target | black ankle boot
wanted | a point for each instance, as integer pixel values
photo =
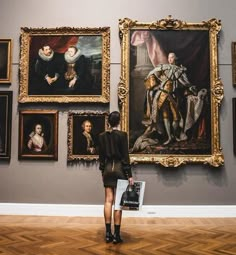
(117, 239)
(109, 237)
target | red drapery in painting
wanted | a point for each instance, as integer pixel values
(58, 43)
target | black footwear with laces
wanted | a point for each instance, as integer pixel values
(117, 239)
(109, 237)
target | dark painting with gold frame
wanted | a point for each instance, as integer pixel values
(83, 131)
(5, 60)
(38, 134)
(65, 65)
(170, 91)
(5, 124)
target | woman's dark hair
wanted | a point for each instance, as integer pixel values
(74, 47)
(114, 119)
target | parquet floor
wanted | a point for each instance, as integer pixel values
(40, 235)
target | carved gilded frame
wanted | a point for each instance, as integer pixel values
(77, 143)
(133, 72)
(94, 45)
(29, 146)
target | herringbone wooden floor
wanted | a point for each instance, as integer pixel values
(37, 235)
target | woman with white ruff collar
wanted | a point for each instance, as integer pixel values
(74, 68)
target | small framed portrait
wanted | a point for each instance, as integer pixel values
(38, 134)
(5, 124)
(83, 131)
(5, 61)
(170, 91)
(65, 65)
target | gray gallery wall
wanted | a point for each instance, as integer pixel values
(56, 182)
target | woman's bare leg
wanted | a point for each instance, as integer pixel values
(117, 214)
(109, 199)
(117, 223)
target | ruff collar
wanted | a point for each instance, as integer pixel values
(44, 57)
(71, 60)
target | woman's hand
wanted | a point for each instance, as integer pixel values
(131, 181)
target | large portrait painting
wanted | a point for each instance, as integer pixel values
(5, 124)
(5, 60)
(65, 65)
(83, 131)
(38, 134)
(170, 91)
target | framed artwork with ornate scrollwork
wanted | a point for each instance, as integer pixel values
(170, 91)
(38, 134)
(65, 65)
(5, 60)
(83, 131)
(5, 124)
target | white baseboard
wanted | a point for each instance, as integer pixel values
(163, 211)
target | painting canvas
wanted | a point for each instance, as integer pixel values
(5, 61)
(83, 131)
(170, 91)
(5, 124)
(38, 134)
(65, 65)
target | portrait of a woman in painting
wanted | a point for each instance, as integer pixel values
(38, 137)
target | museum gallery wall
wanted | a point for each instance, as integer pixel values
(170, 110)
(178, 120)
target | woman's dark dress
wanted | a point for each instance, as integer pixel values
(114, 157)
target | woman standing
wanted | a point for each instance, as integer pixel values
(114, 165)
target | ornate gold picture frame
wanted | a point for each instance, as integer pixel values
(38, 134)
(170, 91)
(65, 65)
(83, 131)
(5, 61)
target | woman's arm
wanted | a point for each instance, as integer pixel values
(30, 144)
(101, 154)
(125, 157)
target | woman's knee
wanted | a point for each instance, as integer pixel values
(109, 200)
(109, 195)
